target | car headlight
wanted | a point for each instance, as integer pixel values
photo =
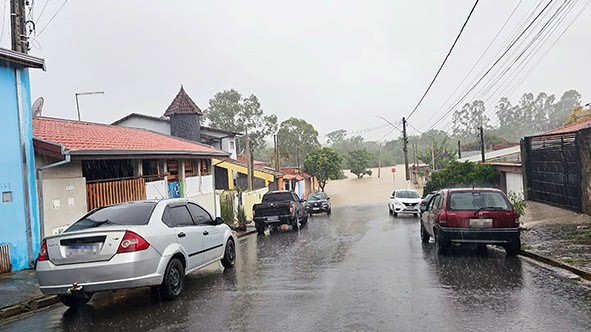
(398, 203)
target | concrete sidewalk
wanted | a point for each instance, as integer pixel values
(19, 291)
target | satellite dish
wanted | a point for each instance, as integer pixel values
(37, 107)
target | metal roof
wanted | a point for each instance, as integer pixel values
(21, 59)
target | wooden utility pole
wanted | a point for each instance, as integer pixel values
(405, 148)
(380, 161)
(18, 26)
(433, 153)
(276, 154)
(481, 142)
(459, 150)
(248, 163)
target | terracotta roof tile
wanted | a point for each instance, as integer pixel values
(570, 128)
(75, 135)
(182, 104)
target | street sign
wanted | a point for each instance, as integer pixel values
(393, 170)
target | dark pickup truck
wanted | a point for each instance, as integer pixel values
(277, 208)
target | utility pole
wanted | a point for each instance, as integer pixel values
(481, 142)
(433, 153)
(18, 29)
(459, 150)
(380, 161)
(276, 156)
(416, 166)
(248, 163)
(405, 148)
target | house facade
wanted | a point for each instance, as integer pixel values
(182, 119)
(83, 165)
(19, 218)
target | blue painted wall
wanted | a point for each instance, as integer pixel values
(13, 228)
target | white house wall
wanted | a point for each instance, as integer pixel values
(156, 190)
(153, 125)
(514, 183)
(62, 195)
(226, 146)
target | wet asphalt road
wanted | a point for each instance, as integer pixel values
(357, 270)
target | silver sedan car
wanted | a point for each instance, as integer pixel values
(135, 244)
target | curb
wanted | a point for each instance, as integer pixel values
(581, 273)
(243, 234)
(26, 306)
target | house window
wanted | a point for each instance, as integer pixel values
(232, 145)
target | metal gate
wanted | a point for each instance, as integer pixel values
(553, 170)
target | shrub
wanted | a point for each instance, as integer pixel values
(466, 174)
(227, 207)
(519, 202)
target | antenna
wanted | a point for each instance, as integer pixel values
(37, 107)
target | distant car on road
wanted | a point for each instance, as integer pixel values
(405, 201)
(135, 244)
(318, 203)
(471, 215)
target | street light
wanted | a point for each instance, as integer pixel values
(83, 94)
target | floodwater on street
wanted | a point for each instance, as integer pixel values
(359, 269)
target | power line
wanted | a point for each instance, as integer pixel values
(413, 127)
(51, 19)
(493, 65)
(43, 10)
(480, 58)
(444, 61)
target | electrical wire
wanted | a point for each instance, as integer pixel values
(51, 19)
(493, 65)
(444, 61)
(43, 10)
(480, 58)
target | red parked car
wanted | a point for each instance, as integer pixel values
(471, 215)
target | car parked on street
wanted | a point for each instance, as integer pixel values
(425, 202)
(318, 203)
(471, 215)
(405, 201)
(279, 207)
(136, 244)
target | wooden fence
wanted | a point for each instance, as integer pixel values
(106, 193)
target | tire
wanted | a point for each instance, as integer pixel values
(328, 212)
(441, 245)
(390, 209)
(424, 235)
(394, 214)
(76, 300)
(294, 224)
(174, 280)
(229, 258)
(513, 248)
(260, 228)
(304, 221)
(416, 215)
(481, 248)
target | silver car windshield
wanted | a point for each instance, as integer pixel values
(122, 214)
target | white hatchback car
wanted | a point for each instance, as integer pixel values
(405, 201)
(135, 244)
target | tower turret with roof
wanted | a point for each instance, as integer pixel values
(184, 117)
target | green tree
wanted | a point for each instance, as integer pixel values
(440, 151)
(228, 110)
(466, 174)
(358, 161)
(467, 120)
(296, 139)
(564, 107)
(324, 164)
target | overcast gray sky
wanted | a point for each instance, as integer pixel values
(337, 64)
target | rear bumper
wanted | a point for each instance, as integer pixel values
(127, 270)
(481, 236)
(274, 220)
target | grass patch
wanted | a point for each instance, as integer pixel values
(577, 236)
(575, 260)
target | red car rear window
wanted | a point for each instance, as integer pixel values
(478, 200)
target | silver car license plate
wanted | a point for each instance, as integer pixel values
(82, 249)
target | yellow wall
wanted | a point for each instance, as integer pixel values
(241, 169)
(251, 198)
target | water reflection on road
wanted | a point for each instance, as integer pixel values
(358, 269)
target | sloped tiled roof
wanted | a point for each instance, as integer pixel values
(93, 138)
(182, 104)
(570, 128)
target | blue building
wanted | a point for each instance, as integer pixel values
(19, 216)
